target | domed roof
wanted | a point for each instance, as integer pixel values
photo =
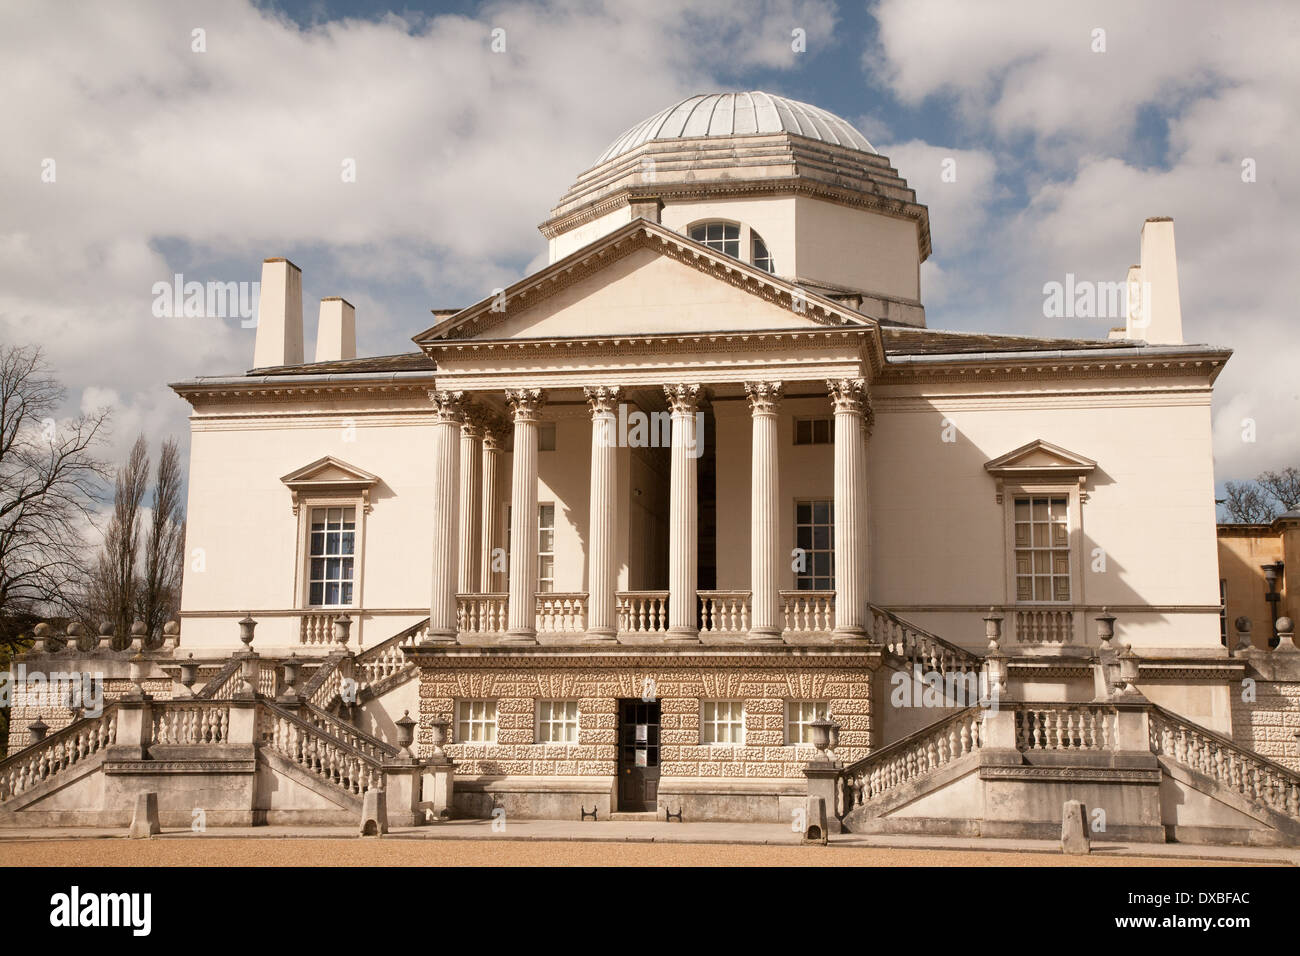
(739, 114)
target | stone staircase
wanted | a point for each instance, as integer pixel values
(1006, 770)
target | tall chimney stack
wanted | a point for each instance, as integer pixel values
(336, 334)
(1161, 315)
(279, 315)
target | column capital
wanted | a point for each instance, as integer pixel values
(849, 396)
(603, 399)
(494, 436)
(684, 399)
(764, 397)
(447, 406)
(526, 403)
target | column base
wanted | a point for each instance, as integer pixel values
(764, 636)
(683, 635)
(599, 635)
(520, 637)
(849, 635)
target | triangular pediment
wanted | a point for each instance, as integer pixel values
(643, 279)
(329, 472)
(1040, 458)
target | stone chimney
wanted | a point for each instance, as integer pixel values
(1158, 317)
(336, 335)
(279, 315)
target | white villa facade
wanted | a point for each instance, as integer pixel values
(759, 491)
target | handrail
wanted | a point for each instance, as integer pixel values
(902, 743)
(964, 658)
(336, 727)
(219, 680)
(103, 733)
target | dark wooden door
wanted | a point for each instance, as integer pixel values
(638, 755)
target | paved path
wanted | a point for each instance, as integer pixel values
(530, 842)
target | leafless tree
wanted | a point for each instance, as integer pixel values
(1246, 502)
(114, 585)
(158, 597)
(50, 478)
(1282, 486)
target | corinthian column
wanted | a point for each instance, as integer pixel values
(765, 600)
(448, 414)
(471, 463)
(849, 396)
(601, 625)
(683, 529)
(487, 509)
(521, 613)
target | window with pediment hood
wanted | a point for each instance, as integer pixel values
(330, 499)
(1042, 488)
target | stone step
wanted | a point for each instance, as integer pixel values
(645, 816)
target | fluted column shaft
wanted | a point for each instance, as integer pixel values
(849, 397)
(683, 516)
(765, 598)
(487, 507)
(521, 615)
(447, 417)
(601, 566)
(471, 464)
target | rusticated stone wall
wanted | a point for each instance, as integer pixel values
(1269, 724)
(764, 684)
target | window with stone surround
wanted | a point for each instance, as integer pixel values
(759, 254)
(723, 237)
(722, 722)
(814, 536)
(331, 557)
(557, 721)
(799, 717)
(476, 722)
(1042, 543)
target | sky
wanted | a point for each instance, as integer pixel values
(145, 140)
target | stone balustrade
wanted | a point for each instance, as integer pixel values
(341, 730)
(319, 752)
(483, 615)
(386, 658)
(57, 753)
(191, 723)
(807, 613)
(928, 749)
(1257, 779)
(1043, 626)
(642, 612)
(317, 627)
(920, 648)
(561, 613)
(724, 612)
(1073, 727)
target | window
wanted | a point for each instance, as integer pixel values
(1042, 548)
(814, 535)
(557, 721)
(1223, 611)
(546, 548)
(333, 545)
(812, 431)
(759, 254)
(476, 722)
(722, 722)
(799, 716)
(722, 236)
(545, 545)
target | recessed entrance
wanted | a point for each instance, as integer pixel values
(638, 755)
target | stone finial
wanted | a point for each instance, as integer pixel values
(993, 630)
(45, 635)
(189, 673)
(1242, 625)
(171, 634)
(246, 628)
(1286, 636)
(342, 630)
(1105, 627)
(139, 635)
(38, 729)
(405, 733)
(106, 632)
(75, 632)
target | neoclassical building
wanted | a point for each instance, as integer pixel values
(623, 532)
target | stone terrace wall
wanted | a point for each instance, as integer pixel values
(764, 686)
